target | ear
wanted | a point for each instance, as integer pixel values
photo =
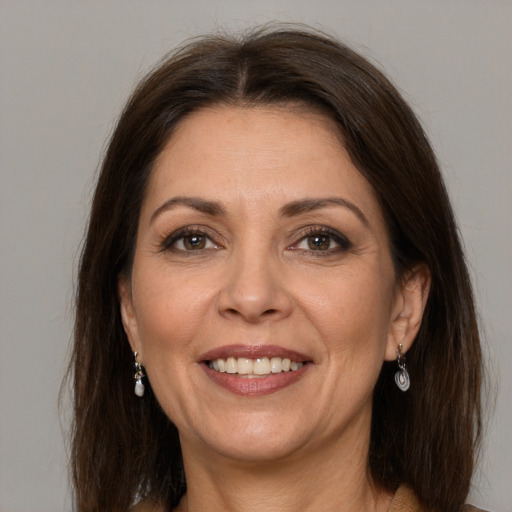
(128, 316)
(410, 299)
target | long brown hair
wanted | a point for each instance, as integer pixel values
(124, 448)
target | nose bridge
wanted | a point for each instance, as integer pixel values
(254, 288)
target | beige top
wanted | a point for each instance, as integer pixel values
(404, 501)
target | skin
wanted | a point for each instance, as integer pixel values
(258, 278)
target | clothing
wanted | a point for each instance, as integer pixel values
(406, 501)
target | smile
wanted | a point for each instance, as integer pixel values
(254, 368)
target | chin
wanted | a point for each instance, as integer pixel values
(259, 441)
(257, 449)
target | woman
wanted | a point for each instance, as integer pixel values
(273, 307)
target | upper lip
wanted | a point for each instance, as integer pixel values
(252, 352)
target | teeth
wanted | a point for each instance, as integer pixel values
(276, 365)
(231, 365)
(244, 366)
(259, 366)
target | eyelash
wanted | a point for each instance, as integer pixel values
(342, 242)
(182, 234)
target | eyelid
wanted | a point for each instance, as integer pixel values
(170, 239)
(341, 241)
(344, 244)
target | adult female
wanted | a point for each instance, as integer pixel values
(270, 235)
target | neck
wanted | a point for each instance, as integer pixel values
(332, 479)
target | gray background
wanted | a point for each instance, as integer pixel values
(66, 67)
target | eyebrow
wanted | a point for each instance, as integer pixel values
(202, 205)
(291, 209)
(308, 205)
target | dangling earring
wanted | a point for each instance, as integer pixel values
(139, 386)
(401, 376)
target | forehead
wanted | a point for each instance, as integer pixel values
(270, 154)
(266, 132)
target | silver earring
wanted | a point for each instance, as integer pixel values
(401, 376)
(139, 386)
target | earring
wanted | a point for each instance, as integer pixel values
(401, 376)
(139, 386)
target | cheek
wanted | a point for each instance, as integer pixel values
(351, 311)
(169, 310)
(170, 316)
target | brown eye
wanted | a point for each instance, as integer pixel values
(189, 241)
(319, 242)
(323, 241)
(194, 242)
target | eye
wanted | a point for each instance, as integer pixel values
(322, 240)
(319, 242)
(192, 243)
(189, 240)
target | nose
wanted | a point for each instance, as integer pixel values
(254, 289)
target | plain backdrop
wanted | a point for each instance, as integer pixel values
(66, 68)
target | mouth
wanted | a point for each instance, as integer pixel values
(254, 370)
(260, 367)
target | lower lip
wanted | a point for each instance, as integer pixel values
(257, 386)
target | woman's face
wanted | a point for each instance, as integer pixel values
(263, 252)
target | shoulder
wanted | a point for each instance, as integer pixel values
(472, 508)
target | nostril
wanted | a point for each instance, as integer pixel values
(250, 315)
(253, 303)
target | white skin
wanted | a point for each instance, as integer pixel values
(258, 278)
